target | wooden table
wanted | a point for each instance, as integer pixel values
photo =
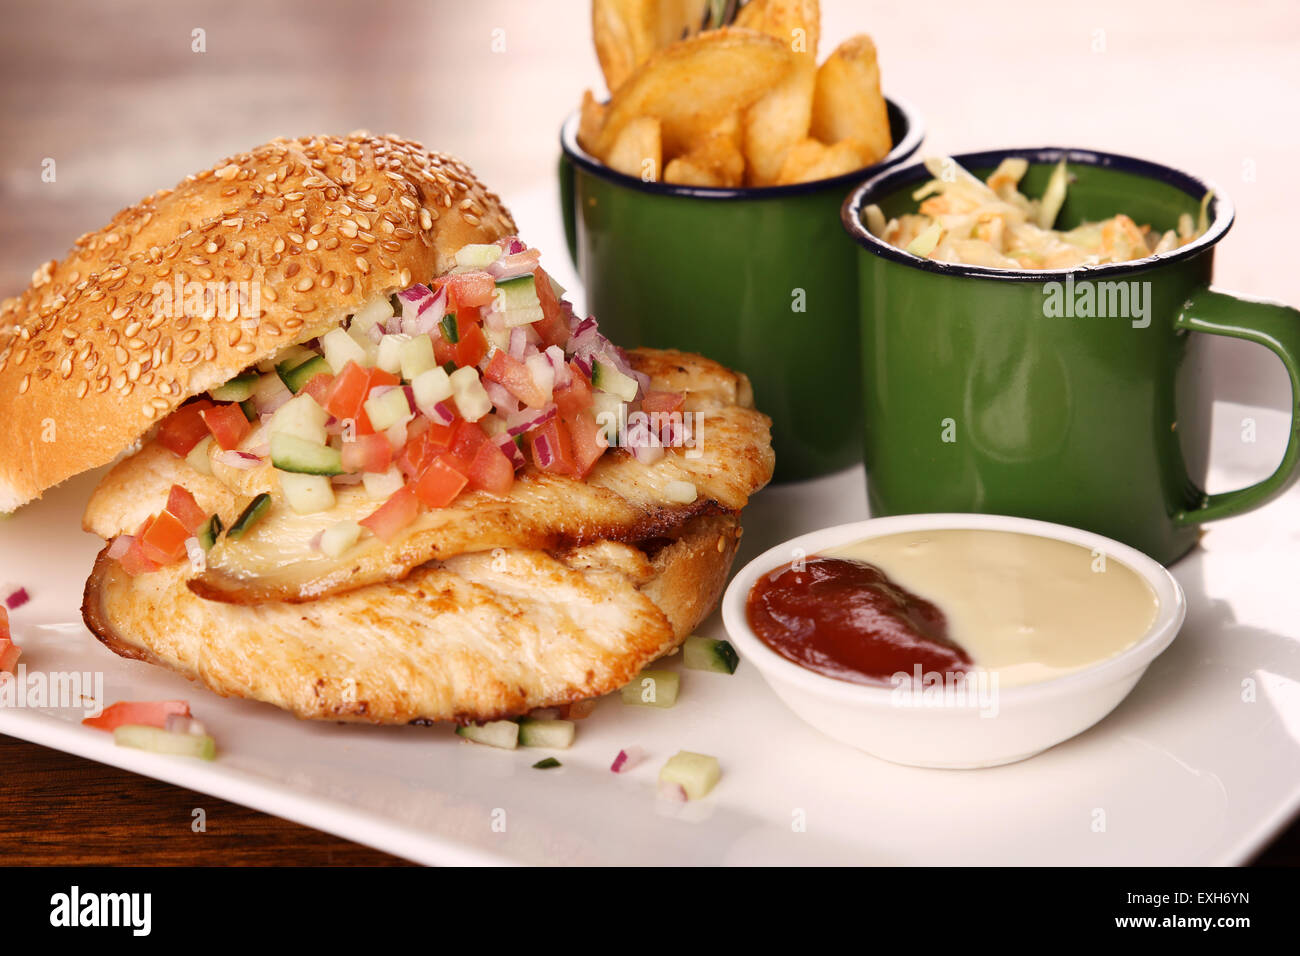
(119, 96)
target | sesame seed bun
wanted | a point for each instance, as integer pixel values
(294, 235)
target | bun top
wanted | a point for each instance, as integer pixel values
(190, 286)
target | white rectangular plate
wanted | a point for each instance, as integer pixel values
(1192, 768)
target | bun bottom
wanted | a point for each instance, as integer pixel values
(478, 637)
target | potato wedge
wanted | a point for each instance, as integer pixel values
(591, 120)
(779, 121)
(628, 31)
(811, 160)
(796, 23)
(625, 36)
(716, 161)
(637, 151)
(847, 102)
(692, 85)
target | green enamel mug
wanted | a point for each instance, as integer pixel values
(761, 280)
(1075, 396)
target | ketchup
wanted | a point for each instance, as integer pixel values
(846, 619)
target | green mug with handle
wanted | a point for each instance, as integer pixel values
(1075, 396)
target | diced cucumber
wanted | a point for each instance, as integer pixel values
(200, 458)
(471, 397)
(383, 486)
(517, 300)
(697, 774)
(302, 418)
(250, 516)
(209, 533)
(416, 357)
(517, 293)
(390, 352)
(708, 654)
(477, 255)
(238, 389)
(307, 494)
(431, 387)
(291, 453)
(495, 733)
(497, 339)
(337, 538)
(610, 414)
(299, 375)
(450, 328)
(550, 734)
(389, 409)
(249, 408)
(379, 309)
(606, 378)
(653, 689)
(341, 348)
(547, 763)
(160, 741)
(290, 357)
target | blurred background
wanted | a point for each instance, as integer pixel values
(127, 96)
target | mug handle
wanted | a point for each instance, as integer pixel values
(1277, 328)
(567, 211)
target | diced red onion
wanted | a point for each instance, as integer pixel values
(422, 309)
(17, 599)
(672, 792)
(120, 546)
(260, 451)
(315, 541)
(514, 245)
(266, 404)
(505, 403)
(511, 450)
(584, 364)
(183, 724)
(528, 419)
(441, 413)
(627, 758)
(542, 449)
(239, 459)
(514, 265)
(518, 341)
(563, 374)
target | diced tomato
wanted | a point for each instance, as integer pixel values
(184, 428)
(319, 387)
(9, 654)
(491, 470)
(227, 424)
(367, 453)
(394, 514)
(514, 376)
(348, 391)
(471, 348)
(468, 289)
(663, 403)
(4, 623)
(134, 561)
(421, 449)
(554, 327)
(558, 443)
(153, 713)
(466, 439)
(576, 396)
(185, 509)
(379, 377)
(587, 439)
(441, 482)
(443, 351)
(164, 541)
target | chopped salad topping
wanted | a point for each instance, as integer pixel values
(441, 389)
(993, 224)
